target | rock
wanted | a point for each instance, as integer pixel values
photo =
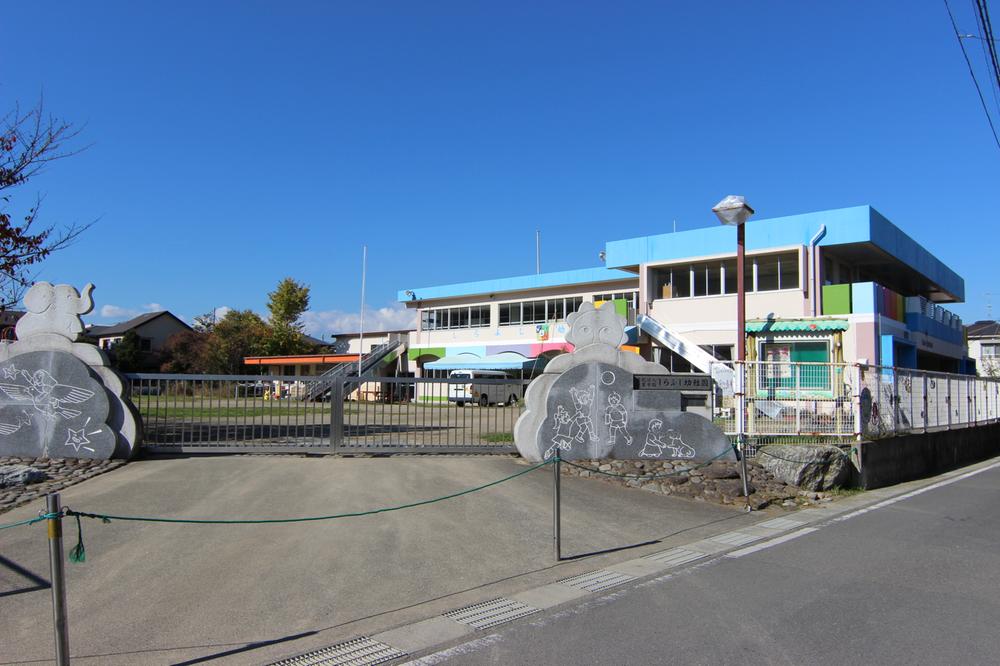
(676, 480)
(731, 487)
(807, 467)
(721, 471)
(19, 475)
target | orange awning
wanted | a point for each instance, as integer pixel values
(305, 359)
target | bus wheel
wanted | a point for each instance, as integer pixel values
(512, 400)
(484, 400)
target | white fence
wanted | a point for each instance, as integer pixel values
(841, 400)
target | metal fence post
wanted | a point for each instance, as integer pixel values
(974, 396)
(336, 415)
(947, 400)
(925, 407)
(53, 505)
(556, 509)
(858, 425)
(912, 424)
(895, 401)
(798, 399)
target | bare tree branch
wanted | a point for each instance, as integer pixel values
(29, 141)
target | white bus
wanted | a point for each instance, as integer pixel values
(493, 393)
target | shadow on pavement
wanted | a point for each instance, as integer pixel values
(39, 582)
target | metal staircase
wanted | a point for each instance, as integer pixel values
(342, 372)
(692, 353)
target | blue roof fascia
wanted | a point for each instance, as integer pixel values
(519, 283)
(893, 240)
(843, 225)
(858, 224)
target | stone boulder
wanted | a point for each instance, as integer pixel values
(721, 470)
(19, 475)
(807, 467)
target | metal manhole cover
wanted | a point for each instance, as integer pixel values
(491, 613)
(597, 581)
(359, 652)
(675, 556)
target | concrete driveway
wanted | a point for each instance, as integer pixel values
(161, 593)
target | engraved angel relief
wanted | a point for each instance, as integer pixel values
(44, 393)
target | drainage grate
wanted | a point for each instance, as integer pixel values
(781, 523)
(491, 613)
(675, 556)
(736, 538)
(595, 581)
(359, 652)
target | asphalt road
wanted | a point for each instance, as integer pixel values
(153, 593)
(913, 582)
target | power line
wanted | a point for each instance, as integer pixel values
(986, 27)
(972, 73)
(987, 56)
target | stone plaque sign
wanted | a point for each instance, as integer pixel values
(52, 406)
(686, 382)
(593, 411)
(602, 402)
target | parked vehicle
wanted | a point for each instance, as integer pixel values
(495, 392)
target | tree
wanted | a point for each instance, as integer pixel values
(184, 353)
(239, 334)
(286, 304)
(126, 353)
(29, 141)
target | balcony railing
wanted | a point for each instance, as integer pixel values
(916, 312)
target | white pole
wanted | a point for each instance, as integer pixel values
(361, 332)
(538, 251)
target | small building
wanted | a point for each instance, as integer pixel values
(152, 328)
(8, 321)
(984, 346)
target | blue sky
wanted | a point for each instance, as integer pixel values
(237, 143)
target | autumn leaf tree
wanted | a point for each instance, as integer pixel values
(239, 334)
(286, 305)
(29, 141)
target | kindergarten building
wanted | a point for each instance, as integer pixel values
(830, 286)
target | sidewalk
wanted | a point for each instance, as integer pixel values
(161, 593)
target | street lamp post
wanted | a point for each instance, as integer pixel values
(734, 211)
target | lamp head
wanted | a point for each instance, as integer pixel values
(733, 210)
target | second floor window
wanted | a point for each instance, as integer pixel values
(474, 316)
(536, 312)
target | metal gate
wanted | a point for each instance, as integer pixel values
(286, 414)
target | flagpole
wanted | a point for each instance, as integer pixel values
(361, 332)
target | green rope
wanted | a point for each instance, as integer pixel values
(354, 514)
(643, 477)
(31, 521)
(798, 462)
(78, 553)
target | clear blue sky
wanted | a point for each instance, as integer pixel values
(235, 143)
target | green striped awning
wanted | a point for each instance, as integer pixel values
(796, 325)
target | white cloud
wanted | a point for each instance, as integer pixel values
(117, 312)
(110, 311)
(222, 311)
(325, 322)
